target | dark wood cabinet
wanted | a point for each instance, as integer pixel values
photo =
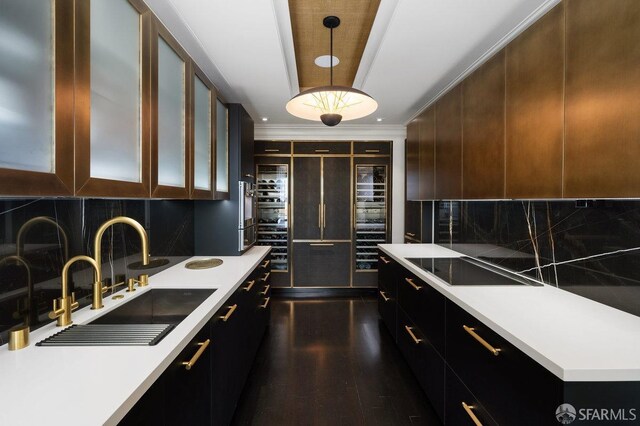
(371, 148)
(462, 407)
(321, 264)
(483, 130)
(535, 109)
(427, 148)
(602, 99)
(412, 221)
(241, 131)
(272, 148)
(412, 161)
(321, 148)
(388, 292)
(448, 162)
(307, 198)
(336, 202)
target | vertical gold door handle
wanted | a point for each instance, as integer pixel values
(320, 216)
(471, 414)
(324, 216)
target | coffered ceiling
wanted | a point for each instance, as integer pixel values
(260, 52)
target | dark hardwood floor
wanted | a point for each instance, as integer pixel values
(330, 362)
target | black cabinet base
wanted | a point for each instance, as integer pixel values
(312, 293)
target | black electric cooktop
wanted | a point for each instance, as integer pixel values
(468, 271)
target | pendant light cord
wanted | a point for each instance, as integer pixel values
(331, 57)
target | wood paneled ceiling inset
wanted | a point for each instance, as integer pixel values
(311, 38)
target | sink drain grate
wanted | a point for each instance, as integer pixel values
(109, 335)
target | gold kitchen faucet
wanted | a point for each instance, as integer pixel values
(143, 279)
(63, 306)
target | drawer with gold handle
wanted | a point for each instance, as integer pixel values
(266, 303)
(230, 312)
(472, 333)
(385, 260)
(384, 296)
(202, 347)
(249, 285)
(265, 263)
(412, 334)
(414, 285)
(266, 290)
(469, 409)
(266, 277)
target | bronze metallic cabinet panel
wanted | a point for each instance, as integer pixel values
(319, 148)
(321, 264)
(272, 147)
(602, 139)
(372, 148)
(412, 160)
(307, 198)
(448, 163)
(535, 109)
(427, 153)
(483, 130)
(336, 209)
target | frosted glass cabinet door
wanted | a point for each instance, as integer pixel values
(171, 117)
(222, 148)
(115, 91)
(202, 135)
(34, 62)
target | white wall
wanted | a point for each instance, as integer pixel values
(396, 134)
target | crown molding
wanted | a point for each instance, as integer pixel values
(321, 132)
(502, 43)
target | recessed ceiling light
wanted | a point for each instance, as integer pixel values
(378, 119)
(324, 61)
(265, 119)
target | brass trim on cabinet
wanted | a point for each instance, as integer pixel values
(413, 336)
(471, 414)
(414, 285)
(471, 331)
(203, 346)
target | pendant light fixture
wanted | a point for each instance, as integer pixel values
(331, 104)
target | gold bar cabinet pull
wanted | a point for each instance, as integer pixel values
(414, 285)
(480, 340)
(271, 150)
(384, 296)
(266, 290)
(384, 259)
(266, 277)
(203, 346)
(322, 150)
(249, 285)
(320, 216)
(372, 151)
(471, 414)
(265, 263)
(410, 234)
(266, 303)
(413, 336)
(232, 309)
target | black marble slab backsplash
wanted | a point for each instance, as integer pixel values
(52, 230)
(591, 248)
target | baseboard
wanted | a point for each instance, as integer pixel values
(314, 293)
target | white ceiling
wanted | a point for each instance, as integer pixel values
(416, 49)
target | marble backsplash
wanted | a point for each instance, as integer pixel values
(51, 230)
(591, 248)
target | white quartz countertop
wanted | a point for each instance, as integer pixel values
(98, 385)
(575, 338)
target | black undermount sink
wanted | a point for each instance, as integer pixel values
(157, 306)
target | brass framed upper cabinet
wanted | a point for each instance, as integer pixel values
(112, 98)
(448, 161)
(483, 130)
(427, 145)
(36, 155)
(203, 119)
(535, 109)
(412, 160)
(222, 151)
(602, 139)
(170, 142)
